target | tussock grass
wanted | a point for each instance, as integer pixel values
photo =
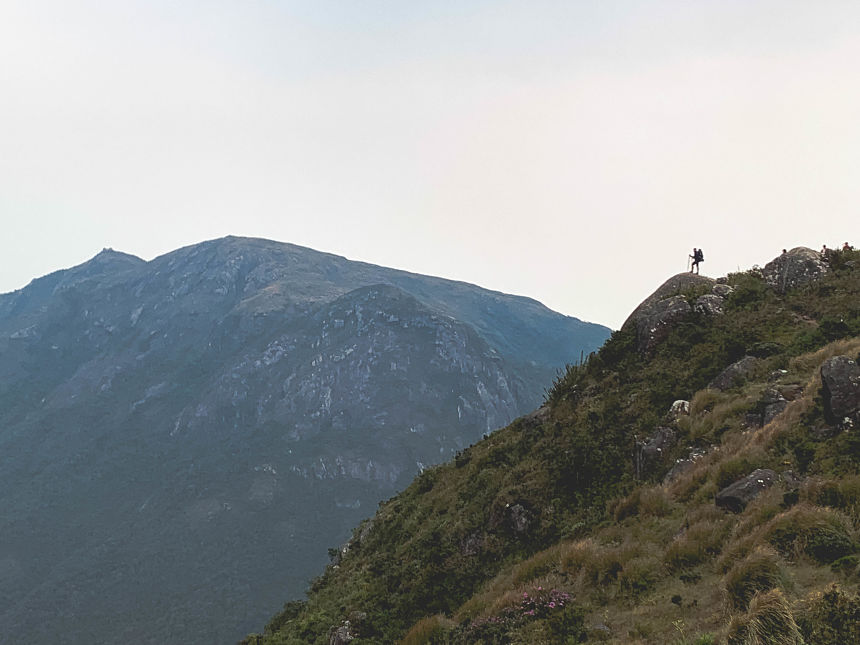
(426, 629)
(813, 360)
(759, 571)
(702, 540)
(822, 533)
(645, 501)
(768, 621)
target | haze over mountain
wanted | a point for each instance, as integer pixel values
(182, 440)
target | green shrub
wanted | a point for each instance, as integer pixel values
(759, 571)
(831, 618)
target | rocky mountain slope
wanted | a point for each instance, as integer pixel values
(182, 440)
(697, 481)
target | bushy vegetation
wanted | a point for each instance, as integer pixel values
(551, 505)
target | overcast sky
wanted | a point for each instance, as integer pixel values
(570, 151)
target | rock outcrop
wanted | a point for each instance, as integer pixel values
(794, 268)
(736, 496)
(735, 373)
(658, 313)
(650, 452)
(840, 390)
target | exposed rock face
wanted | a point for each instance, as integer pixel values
(650, 452)
(840, 379)
(709, 304)
(735, 373)
(226, 412)
(736, 496)
(794, 268)
(655, 316)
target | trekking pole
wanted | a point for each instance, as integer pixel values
(688, 262)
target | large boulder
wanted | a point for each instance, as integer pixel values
(794, 268)
(736, 496)
(660, 311)
(735, 373)
(840, 390)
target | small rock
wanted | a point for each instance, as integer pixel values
(736, 496)
(735, 373)
(520, 518)
(679, 409)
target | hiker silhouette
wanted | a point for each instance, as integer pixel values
(697, 257)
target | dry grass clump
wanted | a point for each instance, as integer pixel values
(708, 529)
(426, 629)
(629, 568)
(767, 622)
(644, 501)
(809, 362)
(712, 412)
(759, 571)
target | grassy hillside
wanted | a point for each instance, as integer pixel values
(542, 533)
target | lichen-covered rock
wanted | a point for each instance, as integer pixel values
(736, 496)
(658, 313)
(709, 304)
(735, 373)
(649, 453)
(722, 290)
(794, 268)
(840, 390)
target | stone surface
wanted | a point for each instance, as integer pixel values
(736, 496)
(840, 390)
(794, 268)
(654, 317)
(735, 373)
(709, 304)
(650, 452)
(722, 290)
(679, 409)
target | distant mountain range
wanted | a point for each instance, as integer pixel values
(182, 440)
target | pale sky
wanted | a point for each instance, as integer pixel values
(569, 151)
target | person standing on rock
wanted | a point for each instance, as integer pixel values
(697, 256)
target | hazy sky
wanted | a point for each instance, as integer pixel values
(570, 151)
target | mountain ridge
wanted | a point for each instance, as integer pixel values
(180, 438)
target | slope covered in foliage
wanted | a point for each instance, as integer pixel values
(544, 532)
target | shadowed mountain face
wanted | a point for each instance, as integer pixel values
(181, 440)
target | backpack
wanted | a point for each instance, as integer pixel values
(700, 256)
